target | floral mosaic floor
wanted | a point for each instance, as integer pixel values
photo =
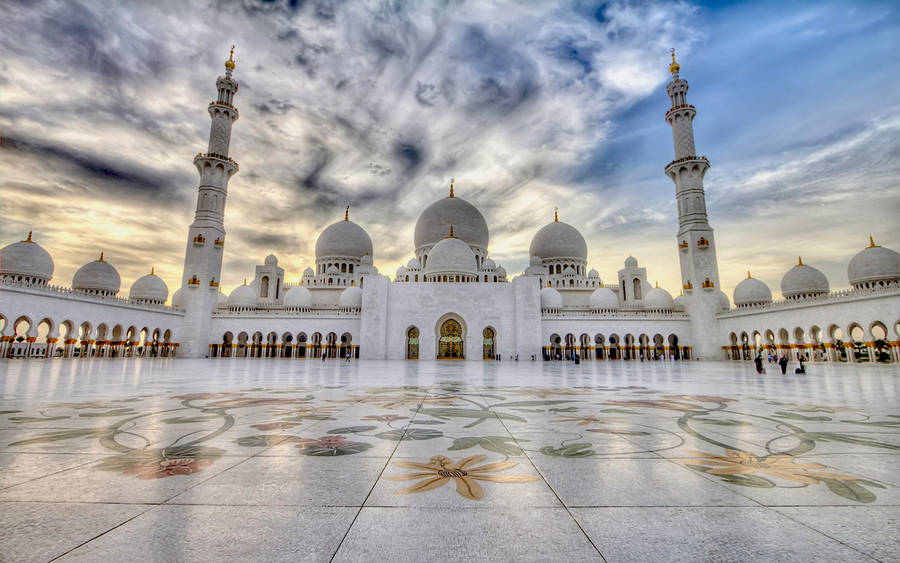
(409, 461)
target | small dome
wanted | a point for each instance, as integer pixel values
(401, 271)
(551, 299)
(558, 240)
(298, 297)
(724, 302)
(874, 264)
(500, 271)
(658, 299)
(488, 265)
(604, 299)
(271, 260)
(366, 260)
(434, 223)
(150, 288)
(27, 259)
(536, 260)
(309, 272)
(332, 270)
(569, 271)
(679, 304)
(751, 291)
(221, 298)
(631, 262)
(343, 239)
(414, 264)
(350, 297)
(451, 256)
(594, 274)
(98, 276)
(178, 298)
(243, 297)
(803, 280)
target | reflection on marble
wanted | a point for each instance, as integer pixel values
(572, 453)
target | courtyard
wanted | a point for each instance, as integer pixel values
(274, 459)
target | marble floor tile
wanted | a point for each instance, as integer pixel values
(420, 534)
(869, 529)
(632, 482)
(223, 533)
(41, 531)
(707, 534)
(290, 481)
(16, 468)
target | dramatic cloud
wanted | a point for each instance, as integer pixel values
(529, 105)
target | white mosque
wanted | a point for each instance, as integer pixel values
(451, 300)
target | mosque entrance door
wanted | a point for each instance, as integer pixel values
(450, 345)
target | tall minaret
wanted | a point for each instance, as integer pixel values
(696, 243)
(206, 235)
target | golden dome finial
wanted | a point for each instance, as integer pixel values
(871, 241)
(245, 281)
(451, 232)
(229, 64)
(29, 238)
(674, 67)
(347, 213)
(451, 186)
(101, 257)
(748, 275)
(800, 261)
(152, 270)
(556, 214)
(657, 284)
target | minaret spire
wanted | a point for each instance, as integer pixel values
(451, 186)
(696, 240)
(347, 213)
(206, 235)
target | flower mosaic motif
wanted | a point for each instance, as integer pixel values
(572, 423)
(440, 470)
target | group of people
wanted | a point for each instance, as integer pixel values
(782, 363)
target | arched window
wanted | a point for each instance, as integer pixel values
(636, 292)
(412, 344)
(488, 344)
(264, 287)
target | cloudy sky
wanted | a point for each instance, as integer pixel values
(529, 105)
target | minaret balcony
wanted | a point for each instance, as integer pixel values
(231, 107)
(684, 160)
(680, 107)
(224, 159)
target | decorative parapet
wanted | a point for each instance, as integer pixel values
(838, 296)
(217, 156)
(68, 292)
(296, 313)
(584, 313)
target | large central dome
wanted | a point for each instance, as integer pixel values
(344, 239)
(468, 223)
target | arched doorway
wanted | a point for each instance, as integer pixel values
(346, 345)
(412, 344)
(488, 351)
(450, 341)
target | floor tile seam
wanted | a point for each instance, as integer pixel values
(377, 479)
(707, 477)
(50, 474)
(816, 530)
(150, 508)
(549, 486)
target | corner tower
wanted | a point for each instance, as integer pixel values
(206, 235)
(696, 242)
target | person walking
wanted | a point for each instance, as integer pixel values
(802, 369)
(783, 362)
(759, 365)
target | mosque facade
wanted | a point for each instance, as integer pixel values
(451, 300)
